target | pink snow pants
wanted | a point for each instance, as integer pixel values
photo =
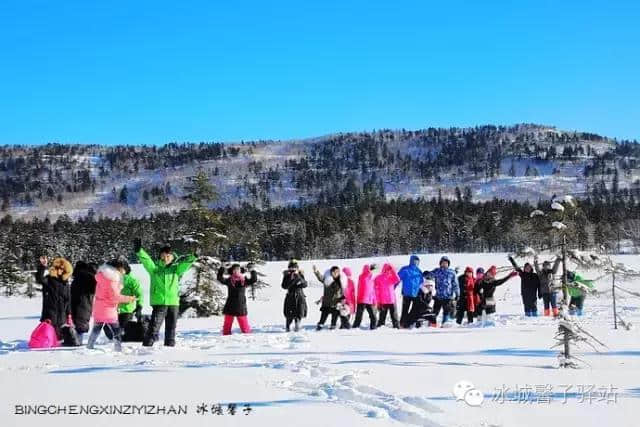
(243, 321)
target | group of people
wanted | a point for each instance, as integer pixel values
(111, 296)
(424, 293)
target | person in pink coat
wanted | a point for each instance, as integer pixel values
(385, 285)
(350, 291)
(366, 299)
(105, 304)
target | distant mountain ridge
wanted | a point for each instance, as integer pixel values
(519, 162)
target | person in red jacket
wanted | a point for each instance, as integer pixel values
(467, 300)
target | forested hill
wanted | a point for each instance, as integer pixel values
(521, 162)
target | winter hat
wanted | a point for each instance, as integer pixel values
(444, 258)
(493, 270)
(468, 270)
(293, 264)
(414, 258)
(347, 271)
(480, 270)
(233, 267)
(61, 268)
(546, 264)
(373, 267)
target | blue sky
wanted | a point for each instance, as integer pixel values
(153, 72)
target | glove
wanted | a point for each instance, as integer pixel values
(513, 274)
(137, 244)
(139, 312)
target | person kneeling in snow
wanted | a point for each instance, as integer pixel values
(165, 277)
(236, 305)
(105, 304)
(485, 289)
(421, 309)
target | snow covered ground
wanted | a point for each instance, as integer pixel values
(344, 377)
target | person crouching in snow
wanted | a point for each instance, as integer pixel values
(56, 296)
(421, 309)
(165, 275)
(366, 298)
(332, 298)
(467, 300)
(385, 285)
(105, 303)
(295, 303)
(485, 288)
(236, 304)
(529, 287)
(446, 289)
(548, 284)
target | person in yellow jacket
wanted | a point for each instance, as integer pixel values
(165, 275)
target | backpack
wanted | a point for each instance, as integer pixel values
(134, 331)
(44, 336)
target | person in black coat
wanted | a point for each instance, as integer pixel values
(295, 303)
(485, 288)
(56, 304)
(236, 304)
(529, 288)
(83, 288)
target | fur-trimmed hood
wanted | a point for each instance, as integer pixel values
(67, 269)
(110, 273)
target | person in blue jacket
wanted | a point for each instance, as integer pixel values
(411, 277)
(447, 289)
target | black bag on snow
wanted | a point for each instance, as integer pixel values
(134, 331)
(69, 336)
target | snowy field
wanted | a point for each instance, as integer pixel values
(384, 377)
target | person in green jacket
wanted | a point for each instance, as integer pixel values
(578, 287)
(131, 287)
(165, 275)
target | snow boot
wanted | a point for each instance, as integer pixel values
(534, 313)
(433, 324)
(296, 325)
(318, 327)
(579, 312)
(555, 312)
(547, 312)
(527, 314)
(92, 338)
